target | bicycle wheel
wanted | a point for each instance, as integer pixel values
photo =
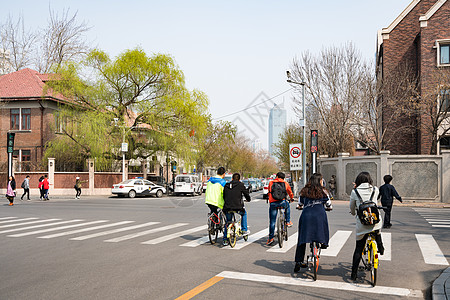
(231, 231)
(315, 254)
(373, 265)
(213, 232)
(280, 231)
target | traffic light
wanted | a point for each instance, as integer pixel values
(10, 144)
(314, 141)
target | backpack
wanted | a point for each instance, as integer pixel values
(368, 212)
(278, 191)
(23, 184)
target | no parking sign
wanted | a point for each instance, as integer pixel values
(295, 157)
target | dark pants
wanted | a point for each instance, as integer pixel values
(387, 216)
(26, 192)
(360, 247)
(213, 208)
(78, 192)
(10, 198)
(45, 193)
(300, 253)
(41, 190)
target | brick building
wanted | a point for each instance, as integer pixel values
(27, 109)
(418, 38)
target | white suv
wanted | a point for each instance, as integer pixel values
(188, 184)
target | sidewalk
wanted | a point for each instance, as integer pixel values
(441, 286)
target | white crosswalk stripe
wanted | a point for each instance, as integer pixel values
(40, 226)
(17, 220)
(7, 218)
(438, 218)
(386, 237)
(83, 230)
(57, 228)
(174, 235)
(251, 239)
(142, 233)
(196, 242)
(287, 245)
(28, 223)
(336, 243)
(102, 233)
(431, 252)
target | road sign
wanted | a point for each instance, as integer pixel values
(124, 147)
(10, 144)
(295, 157)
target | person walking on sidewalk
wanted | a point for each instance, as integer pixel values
(26, 188)
(11, 190)
(232, 196)
(387, 194)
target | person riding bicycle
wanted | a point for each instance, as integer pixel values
(232, 195)
(278, 190)
(214, 191)
(366, 190)
(313, 222)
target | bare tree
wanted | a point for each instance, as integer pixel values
(18, 41)
(62, 41)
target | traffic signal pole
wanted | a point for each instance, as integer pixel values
(10, 150)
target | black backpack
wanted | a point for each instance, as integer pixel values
(368, 212)
(278, 191)
(23, 184)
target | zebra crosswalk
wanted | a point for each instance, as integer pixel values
(158, 232)
(438, 217)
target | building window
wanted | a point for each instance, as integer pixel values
(444, 142)
(15, 154)
(26, 118)
(444, 54)
(445, 101)
(26, 155)
(15, 119)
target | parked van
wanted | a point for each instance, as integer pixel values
(188, 184)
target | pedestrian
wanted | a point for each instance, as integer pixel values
(313, 222)
(41, 187)
(77, 187)
(214, 192)
(367, 192)
(278, 191)
(332, 183)
(26, 187)
(232, 196)
(11, 190)
(387, 194)
(46, 187)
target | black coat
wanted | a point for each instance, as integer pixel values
(13, 184)
(387, 194)
(313, 223)
(232, 195)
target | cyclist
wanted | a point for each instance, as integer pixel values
(313, 222)
(214, 191)
(365, 188)
(232, 195)
(278, 190)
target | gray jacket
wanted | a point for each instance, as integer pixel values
(27, 183)
(365, 190)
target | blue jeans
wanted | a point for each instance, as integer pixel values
(273, 211)
(229, 217)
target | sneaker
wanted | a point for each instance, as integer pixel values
(245, 232)
(29, 200)
(225, 243)
(297, 267)
(11, 203)
(269, 242)
(289, 224)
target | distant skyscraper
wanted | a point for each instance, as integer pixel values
(277, 123)
(256, 145)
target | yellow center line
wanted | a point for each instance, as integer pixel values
(200, 288)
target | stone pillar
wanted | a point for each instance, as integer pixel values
(51, 172)
(340, 176)
(445, 196)
(91, 166)
(384, 165)
(14, 167)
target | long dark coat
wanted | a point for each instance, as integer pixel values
(313, 223)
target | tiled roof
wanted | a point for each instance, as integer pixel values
(25, 83)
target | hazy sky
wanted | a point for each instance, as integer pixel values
(237, 52)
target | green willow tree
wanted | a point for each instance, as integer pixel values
(135, 98)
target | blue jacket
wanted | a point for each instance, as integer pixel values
(313, 223)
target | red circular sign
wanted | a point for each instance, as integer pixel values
(295, 152)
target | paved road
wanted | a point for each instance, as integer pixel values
(148, 248)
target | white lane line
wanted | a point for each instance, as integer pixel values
(336, 243)
(7, 218)
(386, 237)
(138, 234)
(85, 237)
(83, 230)
(28, 223)
(291, 242)
(441, 226)
(174, 235)
(395, 291)
(431, 252)
(438, 220)
(196, 242)
(251, 239)
(40, 226)
(17, 220)
(56, 228)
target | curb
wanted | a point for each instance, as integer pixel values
(441, 286)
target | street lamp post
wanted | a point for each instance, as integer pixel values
(302, 124)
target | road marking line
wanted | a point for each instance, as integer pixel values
(56, 228)
(336, 243)
(386, 237)
(40, 226)
(85, 237)
(138, 234)
(437, 220)
(17, 220)
(322, 284)
(200, 288)
(291, 242)
(174, 235)
(28, 223)
(196, 242)
(7, 218)
(441, 226)
(251, 238)
(431, 252)
(83, 230)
